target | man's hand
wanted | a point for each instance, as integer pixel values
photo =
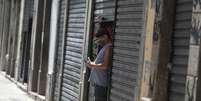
(88, 62)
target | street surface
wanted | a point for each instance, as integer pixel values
(10, 92)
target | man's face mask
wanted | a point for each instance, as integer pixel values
(100, 41)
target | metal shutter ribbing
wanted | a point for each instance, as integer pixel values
(126, 52)
(73, 51)
(60, 31)
(181, 39)
(105, 8)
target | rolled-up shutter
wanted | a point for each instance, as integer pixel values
(106, 9)
(73, 44)
(181, 40)
(126, 51)
(60, 31)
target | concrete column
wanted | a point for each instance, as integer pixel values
(1, 22)
(193, 82)
(1, 28)
(149, 30)
(44, 48)
(19, 39)
(5, 31)
(164, 27)
(15, 5)
(15, 37)
(158, 32)
(24, 40)
(52, 50)
(10, 37)
(36, 44)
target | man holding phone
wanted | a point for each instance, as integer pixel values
(99, 68)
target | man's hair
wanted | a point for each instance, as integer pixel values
(106, 24)
(102, 31)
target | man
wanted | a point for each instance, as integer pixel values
(99, 68)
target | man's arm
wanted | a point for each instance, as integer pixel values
(106, 61)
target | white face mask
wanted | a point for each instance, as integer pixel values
(100, 41)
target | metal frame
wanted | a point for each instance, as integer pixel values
(110, 70)
(87, 50)
(86, 42)
(171, 55)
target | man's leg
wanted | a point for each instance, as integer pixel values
(100, 93)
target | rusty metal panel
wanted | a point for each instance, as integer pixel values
(180, 46)
(126, 52)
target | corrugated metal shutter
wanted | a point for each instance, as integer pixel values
(60, 30)
(106, 9)
(181, 39)
(126, 52)
(73, 51)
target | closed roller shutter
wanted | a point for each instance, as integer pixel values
(126, 51)
(73, 51)
(60, 31)
(181, 39)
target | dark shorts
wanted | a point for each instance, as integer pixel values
(100, 93)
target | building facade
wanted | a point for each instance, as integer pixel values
(155, 57)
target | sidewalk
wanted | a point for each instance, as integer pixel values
(10, 92)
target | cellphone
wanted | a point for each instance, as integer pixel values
(89, 59)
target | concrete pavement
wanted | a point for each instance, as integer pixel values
(10, 92)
